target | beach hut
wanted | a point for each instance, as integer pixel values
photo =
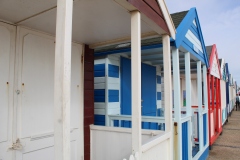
(223, 82)
(189, 66)
(214, 95)
(47, 77)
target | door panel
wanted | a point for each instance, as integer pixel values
(148, 92)
(35, 123)
(7, 48)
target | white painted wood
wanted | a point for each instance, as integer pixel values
(35, 102)
(187, 82)
(136, 81)
(167, 18)
(167, 82)
(99, 61)
(200, 116)
(194, 22)
(177, 100)
(215, 70)
(62, 80)
(192, 38)
(7, 57)
(167, 91)
(116, 140)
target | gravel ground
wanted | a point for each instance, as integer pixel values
(227, 146)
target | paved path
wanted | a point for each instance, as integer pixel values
(227, 146)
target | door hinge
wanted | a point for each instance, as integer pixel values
(16, 146)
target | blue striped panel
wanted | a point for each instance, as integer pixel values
(113, 71)
(99, 70)
(159, 80)
(113, 95)
(205, 129)
(159, 96)
(99, 95)
(185, 140)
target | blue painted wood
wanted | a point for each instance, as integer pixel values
(159, 81)
(99, 70)
(148, 86)
(182, 29)
(205, 125)
(185, 141)
(159, 96)
(113, 95)
(113, 71)
(99, 95)
(99, 120)
(158, 112)
(205, 154)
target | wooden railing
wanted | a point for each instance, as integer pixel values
(113, 119)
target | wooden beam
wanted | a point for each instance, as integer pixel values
(136, 82)
(200, 116)
(205, 94)
(177, 99)
(188, 100)
(62, 80)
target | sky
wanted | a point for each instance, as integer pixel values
(220, 24)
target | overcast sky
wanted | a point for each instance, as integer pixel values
(220, 24)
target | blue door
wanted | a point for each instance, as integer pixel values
(148, 95)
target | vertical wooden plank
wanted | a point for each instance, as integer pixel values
(62, 80)
(177, 100)
(206, 96)
(188, 101)
(136, 81)
(200, 115)
(88, 98)
(106, 92)
(167, 89)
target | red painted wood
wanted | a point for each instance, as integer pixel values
(88, 98)
(155, 6)
(144, 8)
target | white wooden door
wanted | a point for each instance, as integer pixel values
(7, 49)
(35, 126)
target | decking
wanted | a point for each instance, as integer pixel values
(227, 145)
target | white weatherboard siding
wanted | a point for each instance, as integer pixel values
(7, 52)
(35, 127)
(194, 40)
(215, 70)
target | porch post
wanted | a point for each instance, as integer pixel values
(205, 94)
(167, 89)
(177, 100)
(62, 80)
(200, 115)
(188, 100)
(136, 81)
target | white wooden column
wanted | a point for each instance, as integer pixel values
(136, 81)
(167, 90)
(62, 80)
(205, 93)
(188, 101)
(177, 99)
(200, 116)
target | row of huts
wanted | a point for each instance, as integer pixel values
(108, 80)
